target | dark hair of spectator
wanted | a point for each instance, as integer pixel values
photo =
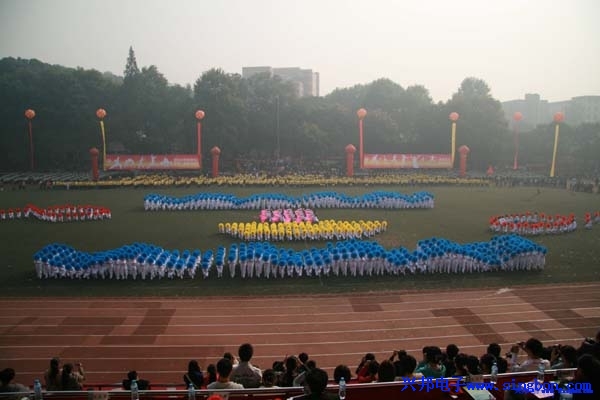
(342, 371)
(473, 365)
(535, 347)
(588, 370)
(386, 372)
(224, 367)
(132, 375)
(569, 356)
(316, 379)
(66, 374)
(7, 375)
(451, 351)
(211, 370)
(310, 364)
(54, 367)
(486, 361)
(303, 357)
(228, 356)
(433, 355)
(494, 349)
(245, 352)
(268, 378)
(406, 365)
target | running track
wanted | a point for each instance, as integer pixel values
(158, 336)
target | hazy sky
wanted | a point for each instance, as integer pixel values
(517, 46)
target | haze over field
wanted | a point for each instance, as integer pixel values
(548, 47)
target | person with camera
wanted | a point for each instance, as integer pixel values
(534, 350)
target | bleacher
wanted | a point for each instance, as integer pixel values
(354, 391)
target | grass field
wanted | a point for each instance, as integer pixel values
(460, 214)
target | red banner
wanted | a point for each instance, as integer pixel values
(120, 162)
(407, 161)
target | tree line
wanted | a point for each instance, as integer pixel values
(260, 118)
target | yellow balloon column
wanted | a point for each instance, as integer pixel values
(361, 114)
(101, 113)
(453, 117)
(558, 118)
(30, 115)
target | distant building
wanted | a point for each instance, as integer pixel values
(536, 111)
(305, 81)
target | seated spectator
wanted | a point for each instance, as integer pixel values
(71, 380)
(211, 374)
(434, 368)
(386, 372)
(302, 360)
(194, 375)
(486, 362)
(133, 376)
(269, 379)
(495, 350)
(291, 372)
(317, 383)
(405, 369)
(368, 373)
(232, 358)
(590, 346)
(52, 376)
(7, 384)
(563, 357)
(534, 349)
(300, 379)
(342, 371)
(448, 359)
(245, 373)
(367, 357)
(460, 365)
(588, 371)
(423, 361)
(224, 369)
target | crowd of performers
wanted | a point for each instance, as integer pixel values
(288, 215)
(61, 213)
(291, 231)
(265, 260)
(533, 223)
(220, 201)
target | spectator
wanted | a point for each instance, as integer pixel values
(133, 376)
(232, 358)
(485, 362)
(534, 349)
(224, 368)
(588, 371)
(342, 371)
(7, 384)
(386, 372)
(448, 359)
(368, 373)
(211, 374)
(268, 379)
(495, 350)
(70, 380)
(245, 373)
(52, 375)
(590, 346)
(291, 371)
(194, 375)
(367, 357)
(406, 367)
(563, 357)
(316, 380)
(302, 360)
(460, 364)
(433, 368)
(300, 379)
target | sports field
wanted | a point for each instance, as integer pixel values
(461, 214)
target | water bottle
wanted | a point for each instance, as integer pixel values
(494, 374)
(191, 392)
(135, 394)
(541, 371)
(37, 390)
(342, 391)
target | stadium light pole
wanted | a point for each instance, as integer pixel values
(558, 118)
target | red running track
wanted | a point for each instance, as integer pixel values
(158, 336)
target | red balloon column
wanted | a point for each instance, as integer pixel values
(361, 113)
(464, 152)
(453, 117)
(215, 152)
(199, 116)
(517, 117)
(350, 150)
(94, 156)
(558, 118)
(30, 114)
